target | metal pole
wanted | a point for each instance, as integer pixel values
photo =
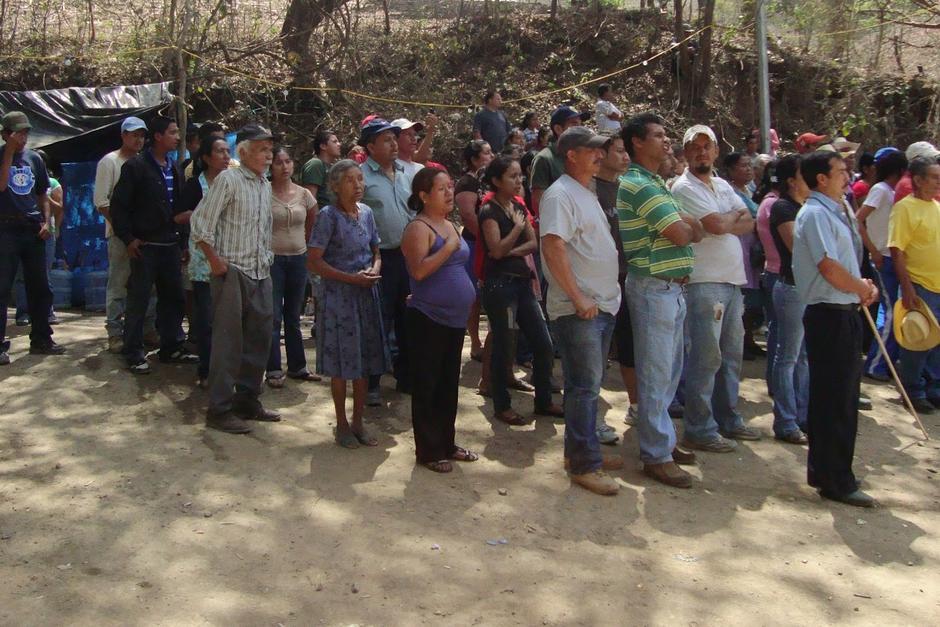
(763, 76)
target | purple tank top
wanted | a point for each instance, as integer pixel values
(447, 295)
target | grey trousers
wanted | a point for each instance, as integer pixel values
(242, 319)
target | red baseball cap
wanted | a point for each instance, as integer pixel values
(807, 142)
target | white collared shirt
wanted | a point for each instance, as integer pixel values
(718, 258)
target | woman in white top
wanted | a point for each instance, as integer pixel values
(295, 212)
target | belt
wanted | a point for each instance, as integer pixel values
(836, 306)
(679, 281)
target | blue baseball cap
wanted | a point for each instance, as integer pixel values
(131, 124)
(882, 152)
(564, 113)
(375, 126)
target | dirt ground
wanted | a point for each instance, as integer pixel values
(117, 507)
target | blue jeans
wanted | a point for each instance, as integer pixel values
(913, 363)
(791, 368)
(716, 333)
(22, 306)
(22, 247)
(289, 283)
(768, 280)
(889, 285)
(584, 345)
(657, 314)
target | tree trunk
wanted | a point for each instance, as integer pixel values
(91, 22)
(301, 19)
(388, 21)
(704, 61)
(554, 8)
(682, 64)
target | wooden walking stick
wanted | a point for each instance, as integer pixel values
(897, 379)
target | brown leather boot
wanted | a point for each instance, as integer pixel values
(668, 473)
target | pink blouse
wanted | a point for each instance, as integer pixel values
(771, 256)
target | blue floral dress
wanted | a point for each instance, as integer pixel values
(350, 339)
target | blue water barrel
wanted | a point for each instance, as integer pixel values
(61, 282)
(96, 290)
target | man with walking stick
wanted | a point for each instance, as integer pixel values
(827, 250)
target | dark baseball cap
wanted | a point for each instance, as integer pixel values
(14, 121)
(252, 133)
(564, 113)
(580, 137)
(375, 126)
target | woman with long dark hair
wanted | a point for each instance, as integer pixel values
(441, 297)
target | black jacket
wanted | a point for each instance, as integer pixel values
(140, 207)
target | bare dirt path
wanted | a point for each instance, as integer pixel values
(117, 507)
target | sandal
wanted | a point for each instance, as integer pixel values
(365, 438)
(275, 382)
(511, 417)
(442, 466)
(347, 439)
(306, 375)
(461, 454)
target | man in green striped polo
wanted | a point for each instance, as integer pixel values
(656, 238)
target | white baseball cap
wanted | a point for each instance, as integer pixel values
(404, 124)
(695, 131)
(921, 149)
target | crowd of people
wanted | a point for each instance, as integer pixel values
(576, 244)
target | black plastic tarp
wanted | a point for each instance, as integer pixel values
(83, 123)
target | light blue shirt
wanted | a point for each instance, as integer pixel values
(824, 229)
(388, 200)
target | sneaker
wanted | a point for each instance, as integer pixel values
(227, 423)
(669, 474)
(742, 433)
(864, 403)
(22, 321)
(608, 462)
(180, 356)
(48, 348)
(793, 437)
(116, 344)
(4, 358)
(607, 435)
(374, 398)
(881, 377)
(53, 319)
(140, 367)
(716, 445)
(598, 482)
(856, 499)
(631, 416)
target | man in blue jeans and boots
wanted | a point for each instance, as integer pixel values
(656, 237)
(714, 300)
(579, 258)
(827, 251)
(24, 227)
(143, 204)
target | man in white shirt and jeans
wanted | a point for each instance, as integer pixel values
(579, 258)
(607, 114)
(714, 300)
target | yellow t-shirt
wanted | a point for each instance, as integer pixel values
(914, 227)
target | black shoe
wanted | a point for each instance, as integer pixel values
(864, 403)
(255, 411)
(922, 405)
(179, 356)
(856, 499)
(50, 348)
(4, 358)
(22, 321)
(227, 423)
(878, 376)
(934, 401)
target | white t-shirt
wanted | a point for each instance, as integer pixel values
(106, 177)
(571, 211)
(718, 258)
(881, 199)
(411, 168)
(602, 109)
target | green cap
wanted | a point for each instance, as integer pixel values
(14, 121)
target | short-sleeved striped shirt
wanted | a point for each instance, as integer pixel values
(646, 208)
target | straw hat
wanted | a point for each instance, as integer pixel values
(916, 329)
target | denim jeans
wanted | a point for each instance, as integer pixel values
(21, 246)
(916, 366)
(119, 271)
(289, 283)
(716, 336)
(791, 369)
(201, 328)
(768, 280)
(22, 304)
(584, 345)
(505, 298)
(157, 266)
(657, 314)
(889, 285)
